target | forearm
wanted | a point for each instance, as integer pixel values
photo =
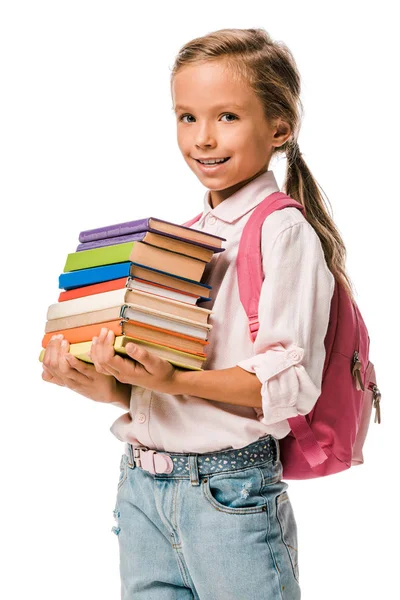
(231, 386)
(122, 395)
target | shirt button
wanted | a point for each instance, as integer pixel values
(141, 418)
(212, 220)
(295, 355)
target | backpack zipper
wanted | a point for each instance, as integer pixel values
(376, 395)
(356, 372)
(356, 362)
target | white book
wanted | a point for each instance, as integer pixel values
(157, 318)
(124, 295)
(133, 284)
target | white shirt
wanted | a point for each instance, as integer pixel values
(288, 353)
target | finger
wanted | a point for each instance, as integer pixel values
(50, 358)
(59, 368)
(73, 377)
(96, 347)
(102, 352)
(80, 366)
(123, 369)
(147, 359)
(47, 376)
(63, 365)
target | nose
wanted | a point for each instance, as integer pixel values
(204, 136)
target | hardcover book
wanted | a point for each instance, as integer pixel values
(176, 264)
(175, 357)
(169, 242)
(132, 283)
(154, 225)
(76, 279)
(149, 333)
(133, 312)
(126, 296)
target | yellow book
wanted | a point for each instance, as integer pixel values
(185, 360)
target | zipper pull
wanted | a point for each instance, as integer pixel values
(356, 371)
(376, 404)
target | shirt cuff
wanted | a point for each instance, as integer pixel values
(287, 389)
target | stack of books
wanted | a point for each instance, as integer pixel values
(142, 280)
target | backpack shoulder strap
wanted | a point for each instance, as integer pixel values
(191, 221)
(249, 258)
(250, 278)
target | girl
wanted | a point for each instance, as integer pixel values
(201, 508)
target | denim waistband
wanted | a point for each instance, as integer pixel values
(261, 451)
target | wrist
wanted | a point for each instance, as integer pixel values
(177, 383)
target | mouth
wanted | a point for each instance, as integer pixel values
(220, 162)
(213, 168)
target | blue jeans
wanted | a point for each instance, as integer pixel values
(220, 526)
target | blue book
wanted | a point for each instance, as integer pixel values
(82, 277)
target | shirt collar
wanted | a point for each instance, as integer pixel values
(239, 203)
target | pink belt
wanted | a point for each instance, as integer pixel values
(153, 461)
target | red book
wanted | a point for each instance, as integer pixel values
(96, 288)
(116, 284)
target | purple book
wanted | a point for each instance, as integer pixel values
(143, 225)
(136, 237)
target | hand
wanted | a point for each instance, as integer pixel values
(63, 369)
(146, 370)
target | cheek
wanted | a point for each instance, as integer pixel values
(183, 143)
(260, 143)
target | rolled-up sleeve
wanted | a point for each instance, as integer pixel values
(294, 308)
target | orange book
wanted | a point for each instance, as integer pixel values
(96, 288)
(135, 329)
(116, 284)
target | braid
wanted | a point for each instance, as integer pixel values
(293, 151)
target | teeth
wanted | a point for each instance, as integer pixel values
(212, 162)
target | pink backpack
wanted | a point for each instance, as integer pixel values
(330, 438)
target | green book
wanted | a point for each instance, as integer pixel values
(137, 252)
(105, 255)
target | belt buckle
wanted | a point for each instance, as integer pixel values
(150, 464)
(136, 455)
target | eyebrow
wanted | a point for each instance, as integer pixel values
(216, 107)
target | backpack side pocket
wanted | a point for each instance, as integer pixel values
(371, 399)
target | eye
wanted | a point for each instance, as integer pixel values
(224, 115)
(230, 115)
(183, 116)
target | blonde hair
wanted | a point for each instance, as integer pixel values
(269, 68)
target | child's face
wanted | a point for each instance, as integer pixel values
(218, 116)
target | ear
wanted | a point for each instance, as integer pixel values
(282, 132)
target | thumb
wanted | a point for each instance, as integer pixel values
(147, 359)
(138, 353)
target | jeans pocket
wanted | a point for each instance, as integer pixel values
(288, 526)
(123, 470)
(235, 493)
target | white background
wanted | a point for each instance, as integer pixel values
(88, 138)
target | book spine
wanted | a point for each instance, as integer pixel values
(117, 253)
(139, 236)
(102, 233)
(96, 288)
(133, 237)
(74, 279)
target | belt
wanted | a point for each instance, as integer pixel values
(264, 449)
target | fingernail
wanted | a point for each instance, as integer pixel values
(54, 337)
(109, 334)
(64, 343)
(94, 340)
(103, 330)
